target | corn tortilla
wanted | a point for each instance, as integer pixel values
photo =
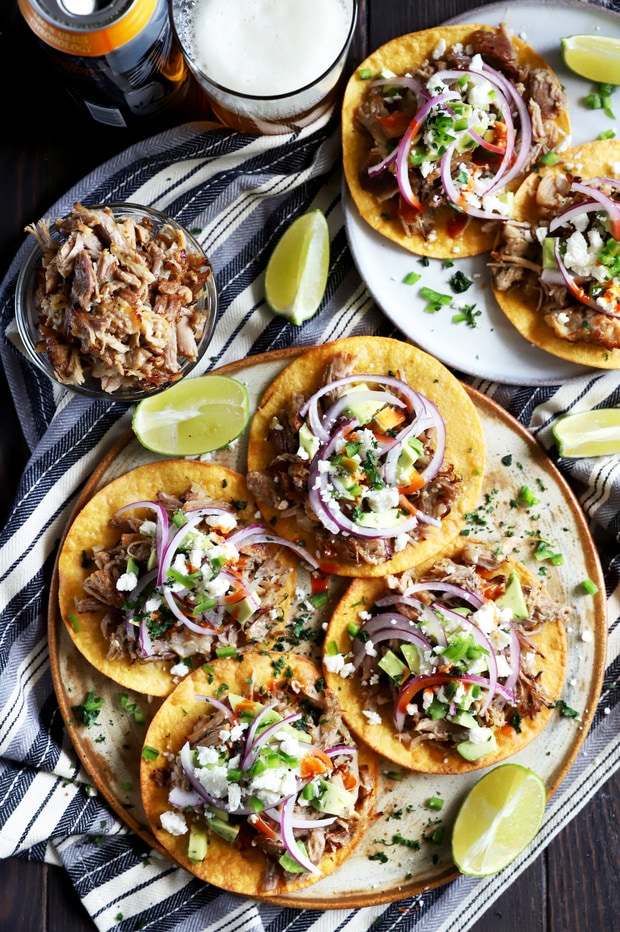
(91, 528)
(429, 756)
(465, 448)
(591, 160)
(257, 676)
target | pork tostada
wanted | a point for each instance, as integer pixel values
(370, 452)
(438, 126)
(555, 268)
(165, 567)
(251, 780)
(451, 667)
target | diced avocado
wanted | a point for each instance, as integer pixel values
(243, 609)
(307, 441)
(474, 750)
(463, 718)
(289, 863)
(548, 253)
(334, 799)
(379, 519)
(198, 843)
(407, 459)
(224, 829)
(412, 655)
(393, 666)
(362, 410)
(513, 597)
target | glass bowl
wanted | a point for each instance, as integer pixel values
(133, 389)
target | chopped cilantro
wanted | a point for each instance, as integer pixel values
(89, 710)
(459, 282)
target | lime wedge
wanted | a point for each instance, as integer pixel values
(297, 270)
(594, 57)
(194, 416)
(498, 819)
(588, 433)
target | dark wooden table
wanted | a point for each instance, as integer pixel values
(46, 147)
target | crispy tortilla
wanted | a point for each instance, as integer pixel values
(91, 529)
(240, 868)
(600, 159)
(465, 448)
(399, 56)
(429, 755)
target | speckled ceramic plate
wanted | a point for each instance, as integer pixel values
(379, 870)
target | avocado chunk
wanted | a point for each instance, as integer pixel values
(412, 655)
(548, 253)
(288, 862)
(474, 750)
(513, 597)
(243, 609)
(393, 666)
(362, 410)
(198, 843)
(464, 719)
(407, 458)
(334, 799)
(379, 519)
(224, 829)
(308, 442)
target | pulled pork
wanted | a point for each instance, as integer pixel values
(517, 263)
(117, 299)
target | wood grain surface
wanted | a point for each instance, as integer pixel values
(46, 147)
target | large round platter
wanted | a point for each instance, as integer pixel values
(110, 748)
(493, 348)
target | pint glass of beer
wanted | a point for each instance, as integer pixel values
(266, 66)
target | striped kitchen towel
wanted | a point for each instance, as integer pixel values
(241, 192)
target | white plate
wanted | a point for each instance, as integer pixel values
(493, 349)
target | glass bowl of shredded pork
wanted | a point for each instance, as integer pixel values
(115, 301)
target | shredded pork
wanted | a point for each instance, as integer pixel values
(117, 299)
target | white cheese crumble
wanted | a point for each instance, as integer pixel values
(173, 822)
(127, 582)
(373, 717)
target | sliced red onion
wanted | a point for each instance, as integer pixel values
(289, 840)
(389, 626)
(611, 207)
(257, 534)
(482, 641)
(340, 749)
(276, 816)
(252, 749)
(506, 694)
(525, 128)
(217, 704)
(251, 732)
(569, 214)
(439, 585)
(375, 170)
(404, 147)
(185, 756)
(403, 80)
(310, 409)
(515, 659)
(427, 616)
(382, 398)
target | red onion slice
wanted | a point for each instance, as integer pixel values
(482, 641)
(611, 207)
(289, 840)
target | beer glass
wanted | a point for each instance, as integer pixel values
(266, 66)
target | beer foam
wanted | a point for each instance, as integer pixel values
(267, 47)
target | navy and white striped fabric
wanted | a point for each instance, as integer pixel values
(241, 192)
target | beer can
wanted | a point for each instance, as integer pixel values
(119, 58)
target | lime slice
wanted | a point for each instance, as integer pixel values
(498, 819)
(194, 416)
(297, 270)
(588, 433)
(594, 57)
